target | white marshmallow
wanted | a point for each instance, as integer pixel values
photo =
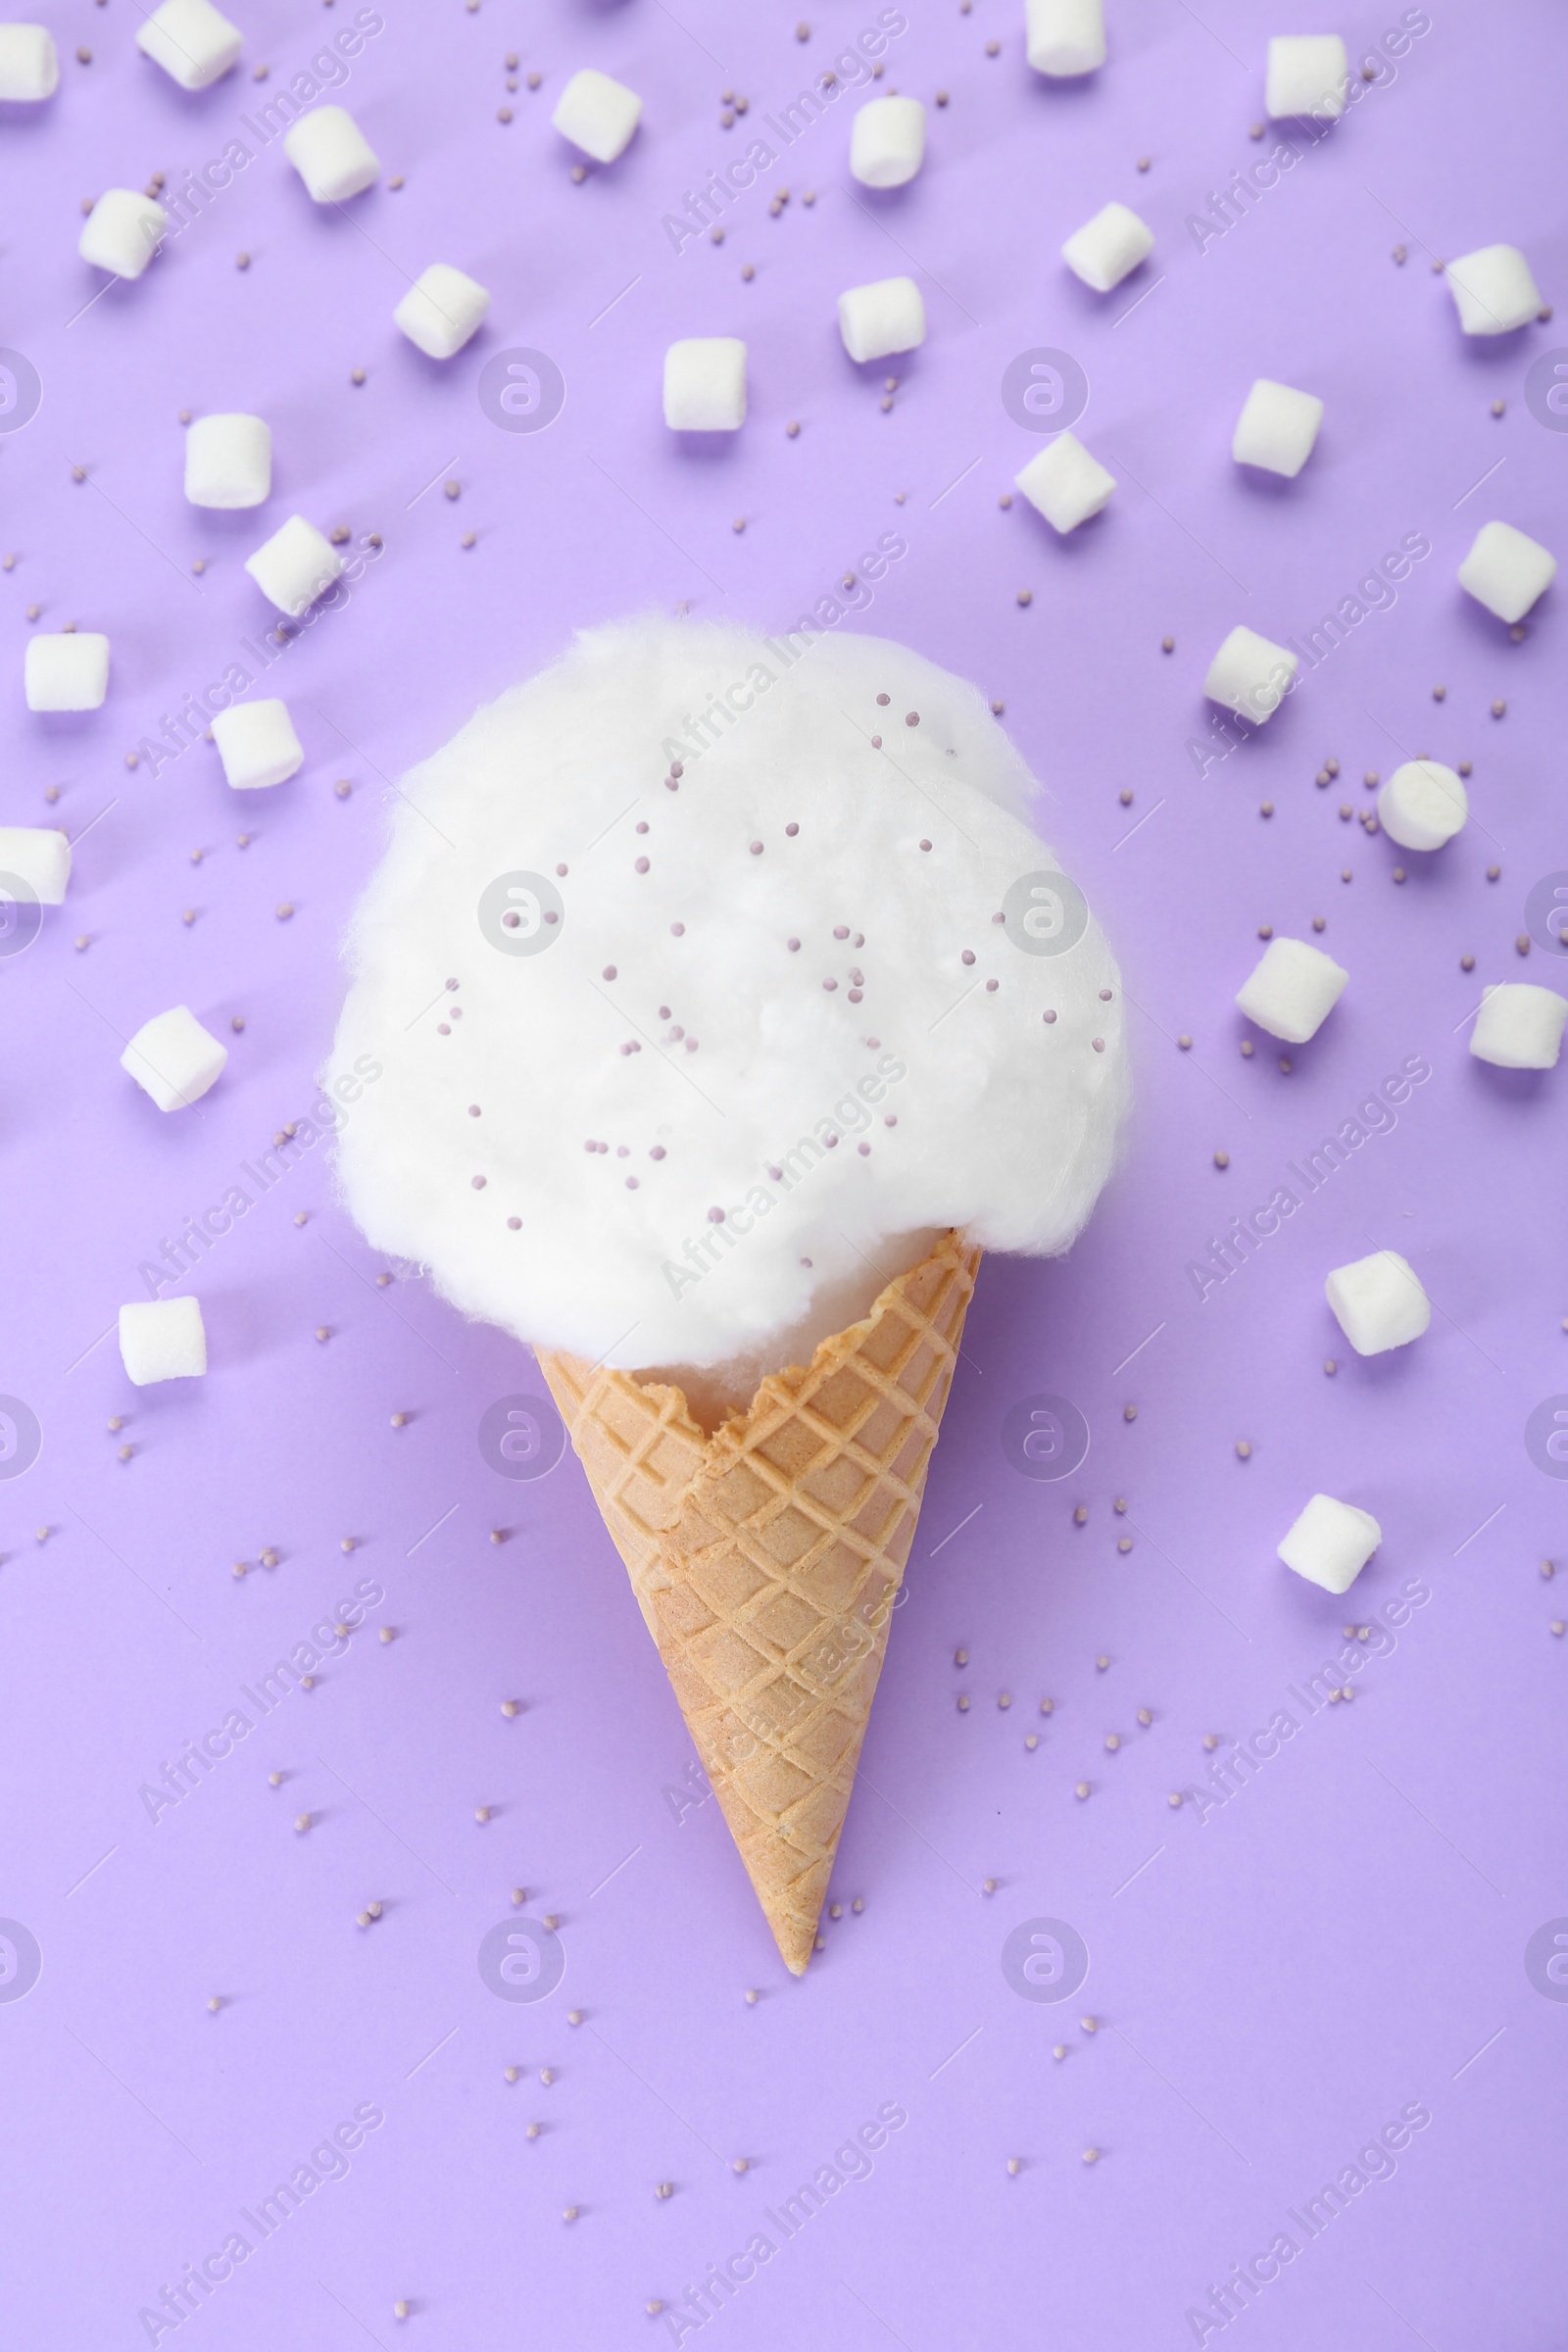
(1519, 1026)
(1065, 36)
(39, 858)
(1378, 1302)
(705, 384)
(887, 142)
(1291, 990)
(597, 114)
(228, 461)
(1507, 570)
(331, 154)
(1250, 675)
(1494, 290)
(193, 42)
(163, 1339)
(1106, 248)
(1423, 804)
(1331, 1542)
(29, 69)
(1306, 76)
(122, 232)
(296, 566)
(1276, 429)
(257, 744)
(1065, 483)
(67, 671)
(442, 311)
(883, 318)
(173, 1059)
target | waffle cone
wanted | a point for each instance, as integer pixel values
(767, 1559)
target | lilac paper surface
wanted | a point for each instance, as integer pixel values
(1276, 1973)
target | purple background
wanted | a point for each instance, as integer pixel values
(1273, 1979)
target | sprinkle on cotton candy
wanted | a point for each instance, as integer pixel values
(710, 976)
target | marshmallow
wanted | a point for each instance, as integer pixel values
(1379, 1303)
(173, 1059)
(442, 310)
(295, 567)
(122, 232)
(257, 744)
(1507, 570)
(1250, 675)
(1494, 290)
(1276, 429)
(1065, 36)
(597, 114)
(1065, 483)
(29, 69)
(1422, 805)
(228, 461)
(331, 154)
(1103, 250)
(1291, 990)
(705, 384)
(1331, 1542)
(68, 671)
(38, 857)
(163, 1339)
(1519, 1026)
(1306, 76)
(887, 142)
(193, 42)
(883, 318)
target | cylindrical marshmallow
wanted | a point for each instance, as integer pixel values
(67, 670)
(38, 857)
(705, 384)
(1065, 36)
(296, 566)
(174, 1059)
(192, 40)
(1250, 675)
(881, 319)
(442, 311)
(1422, 805)
(331, 154)
(1065, 483)
(228, 461)
(1277, 428)
(1378, 1302)
(29, 69)
(1291, 990)
(1494, 290)
(1109, 247)
(163, 1339)
(122, 232)
(887, 142)
(1507, 570)
(1520, 1026)
(257, 744)
(597, 114)
(1307, 74)
(1331, 1542)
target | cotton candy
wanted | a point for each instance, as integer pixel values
(700, 1091)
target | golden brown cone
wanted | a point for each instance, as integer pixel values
(766, 1557)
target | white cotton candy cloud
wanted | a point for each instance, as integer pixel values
(708, 977)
